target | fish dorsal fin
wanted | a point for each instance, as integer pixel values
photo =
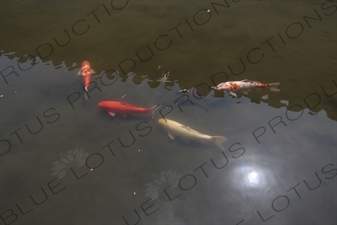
(122, 103)
(190, 129)
(112, 113)
(186, 127)
(170, 135)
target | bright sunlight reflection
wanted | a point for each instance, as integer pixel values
(249, 177)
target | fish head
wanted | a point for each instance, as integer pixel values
(222, 87)
(85, 64)
(216, 88)
(103, 104)
(162, 122)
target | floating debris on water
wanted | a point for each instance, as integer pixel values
(184, 90)
(165, 77)
(130, 73)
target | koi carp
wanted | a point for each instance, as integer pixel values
(86, 72)
(122, 108)
(244, 85)
(188, 134)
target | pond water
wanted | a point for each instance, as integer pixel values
(64, 160)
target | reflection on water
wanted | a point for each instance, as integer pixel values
(71, 159)
(250, 177)
(277, 142)
(161, 182)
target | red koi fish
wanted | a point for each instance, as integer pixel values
(124, 108)
(244, 85)
(86, 72)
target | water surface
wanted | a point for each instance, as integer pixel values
(279, 163)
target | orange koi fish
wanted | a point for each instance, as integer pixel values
(86, 72)
(124, 108)
(244, 85)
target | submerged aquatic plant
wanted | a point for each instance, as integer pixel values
(71, 159)
(164, 77)
(160, 182)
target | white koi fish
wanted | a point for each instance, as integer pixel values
(187, 134)
(244, 85)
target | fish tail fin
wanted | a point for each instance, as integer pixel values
(273, 87)
(218, 141)
(153, 109)
(86, 97)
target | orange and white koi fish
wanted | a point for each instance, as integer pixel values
(244, 85)
(86, 72)
(122, 108)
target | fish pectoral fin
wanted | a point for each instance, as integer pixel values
(245, 80)
(171, 136)
(111, 113)
(124, 115)
(92, 71)
(245, 92)
(233, 94)
(185, 140)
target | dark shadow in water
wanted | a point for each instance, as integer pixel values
(195, 57)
